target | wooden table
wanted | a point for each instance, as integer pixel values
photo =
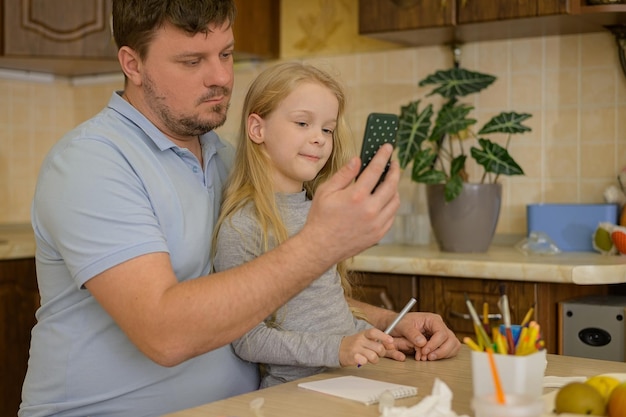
(288, 400)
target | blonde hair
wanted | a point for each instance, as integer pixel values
(251, 179)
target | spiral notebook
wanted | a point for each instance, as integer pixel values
(360, 389)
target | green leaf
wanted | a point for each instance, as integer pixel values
(453, 188)
(494, 158)
(433, 176)
(423, 170)
(424, 160)
(457, 165)
(412, 131)
(452, 120)
(457, 82)
(506, 123)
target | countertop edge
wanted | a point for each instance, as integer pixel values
(499, 262)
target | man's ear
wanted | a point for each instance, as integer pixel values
(131, 64)
(256, 127)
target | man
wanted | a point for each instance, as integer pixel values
(131, 322)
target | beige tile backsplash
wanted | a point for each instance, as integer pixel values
(572, 85)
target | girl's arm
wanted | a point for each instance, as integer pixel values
(268, 345)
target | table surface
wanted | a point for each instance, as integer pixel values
(283, 400)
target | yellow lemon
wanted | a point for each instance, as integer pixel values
(579, 398)
(604, 385)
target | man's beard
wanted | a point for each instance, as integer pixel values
(187, 125)
(192, 126)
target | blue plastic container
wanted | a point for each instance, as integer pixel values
(570, 226)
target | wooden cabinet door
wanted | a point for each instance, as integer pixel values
(472, 11)
(73, 37)
(446, 297)
(19, 298)
(396, 15)
(58, 28)
(81, 28)
(390, 291)
(257, 29)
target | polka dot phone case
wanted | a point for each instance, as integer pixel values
(380, 128)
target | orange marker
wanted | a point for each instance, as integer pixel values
(496, 378)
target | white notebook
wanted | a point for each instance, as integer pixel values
(357, 388)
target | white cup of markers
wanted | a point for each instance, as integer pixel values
(522, 367)
(517, 340)
(515, 352)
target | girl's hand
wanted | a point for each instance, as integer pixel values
(367, 346)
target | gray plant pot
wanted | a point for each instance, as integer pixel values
(467, 223)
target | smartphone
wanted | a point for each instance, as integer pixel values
(380, 128)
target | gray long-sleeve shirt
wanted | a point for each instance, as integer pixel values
(310, 326)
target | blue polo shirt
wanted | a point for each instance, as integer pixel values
(110, 190)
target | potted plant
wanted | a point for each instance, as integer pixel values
(438, 153)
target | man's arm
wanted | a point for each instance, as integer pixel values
(171, 321)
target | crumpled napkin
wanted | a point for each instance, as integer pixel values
(438, 404)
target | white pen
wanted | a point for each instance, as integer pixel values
(402, 313)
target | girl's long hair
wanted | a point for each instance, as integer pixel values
(251, 179)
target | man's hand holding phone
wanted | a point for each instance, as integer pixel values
(375, 172)
(348, 211)
(380, 128)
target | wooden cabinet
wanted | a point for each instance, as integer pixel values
(471, 11)
(257, 29)
(390, 291)
(73, 37)
(59, 28)
(430, 22)
(390, 15)
(19, 298)
(64, 37)
(426, 22)
(446, 297)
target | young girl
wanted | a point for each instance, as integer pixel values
(293, 137)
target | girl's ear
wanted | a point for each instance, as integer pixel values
(255, 128)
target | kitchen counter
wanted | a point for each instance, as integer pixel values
(16, 241)
(501, 261)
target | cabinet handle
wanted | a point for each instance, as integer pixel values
(466, 316)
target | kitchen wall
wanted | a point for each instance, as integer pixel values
(572, 85)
